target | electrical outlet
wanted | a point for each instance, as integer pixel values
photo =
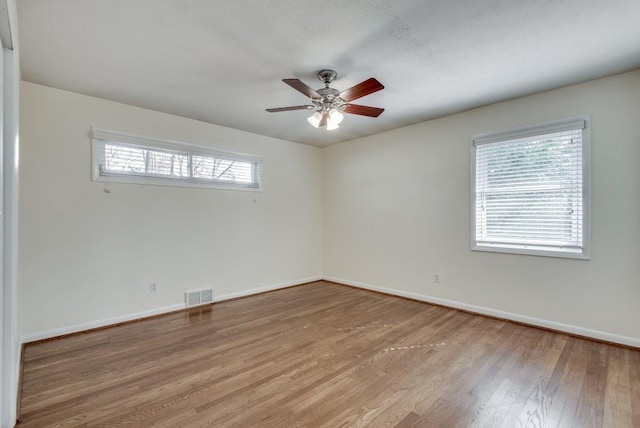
(436, 278)
(153, 287)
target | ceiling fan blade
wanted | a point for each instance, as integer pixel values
(363, 110)
(323, 121)
(300, 86)
(362, 89)
(277, 109)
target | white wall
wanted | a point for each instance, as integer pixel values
(396, 211)
(87, 257)
(383, 212)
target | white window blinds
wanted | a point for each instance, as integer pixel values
(529, 189)
(136, 159)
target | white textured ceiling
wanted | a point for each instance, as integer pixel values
(222, 61)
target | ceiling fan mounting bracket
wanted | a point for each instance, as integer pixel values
(327, 76)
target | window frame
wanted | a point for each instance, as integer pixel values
(530, 131)
(101, 137)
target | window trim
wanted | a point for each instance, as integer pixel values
(100, 137)
(569, 123)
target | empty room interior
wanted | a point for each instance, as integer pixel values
(320, 214)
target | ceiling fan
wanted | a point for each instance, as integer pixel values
(329, 103)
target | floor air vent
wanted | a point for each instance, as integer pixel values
(199, 297)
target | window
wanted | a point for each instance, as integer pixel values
(531, 190)
(134, 159)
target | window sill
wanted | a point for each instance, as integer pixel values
(584, 255)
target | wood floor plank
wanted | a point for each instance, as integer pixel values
(617, 403)
(325, 355)
(591, 402)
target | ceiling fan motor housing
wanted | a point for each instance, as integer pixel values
(328, 99)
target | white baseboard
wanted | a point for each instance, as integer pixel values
(48, 334)
(244, 293)
(567, 328)
(596, 334)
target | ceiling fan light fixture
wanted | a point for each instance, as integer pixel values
(331, 125)
(315, 119)
(335, 116)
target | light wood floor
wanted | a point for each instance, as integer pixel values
(324, 355)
